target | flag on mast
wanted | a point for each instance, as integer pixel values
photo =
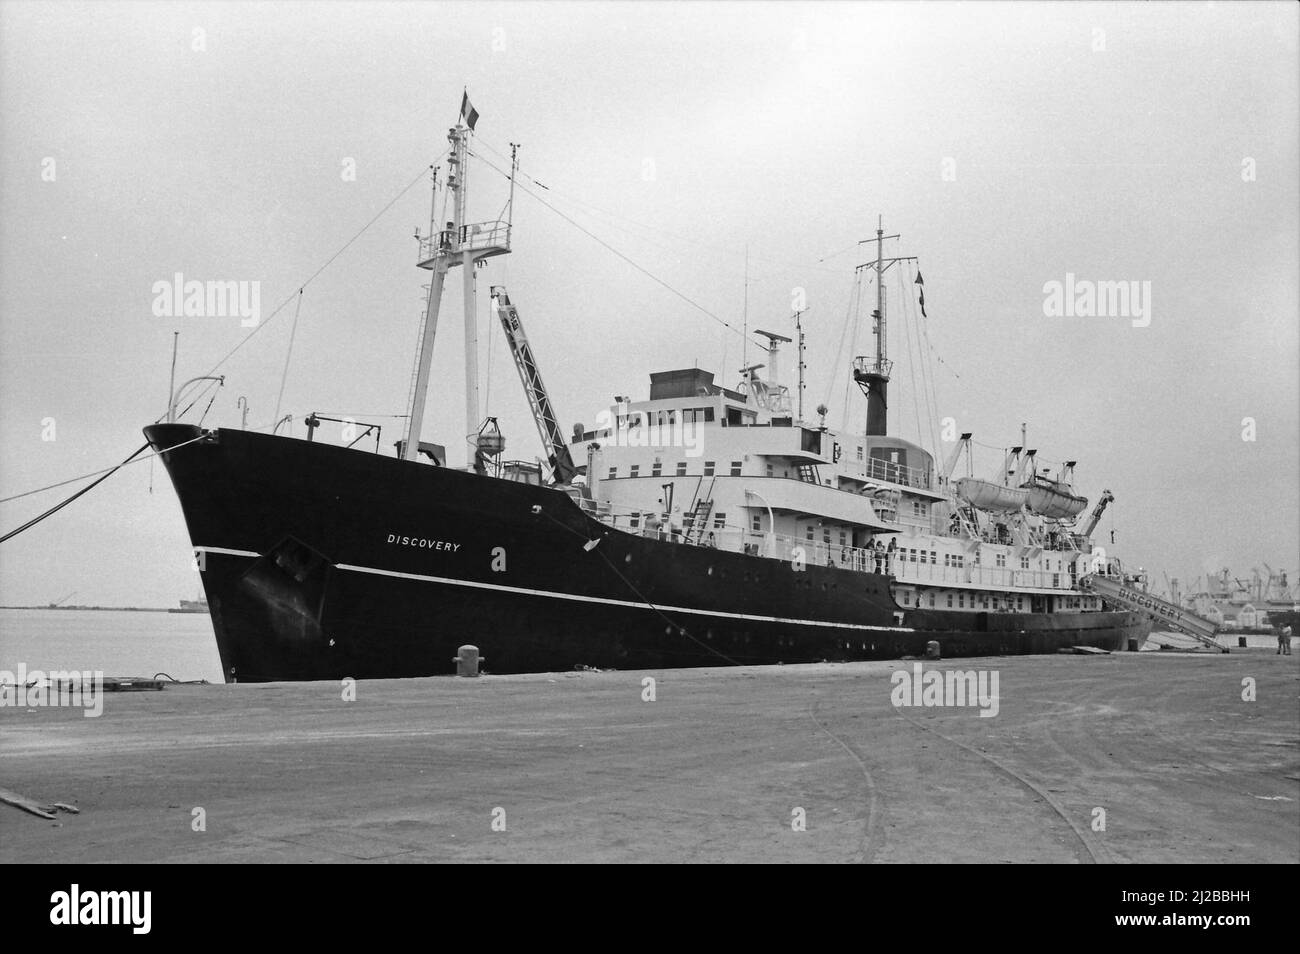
(468, 114)
(921, 281)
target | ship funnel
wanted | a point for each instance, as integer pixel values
(872, 376)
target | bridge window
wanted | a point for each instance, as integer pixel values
(681, 468)
(1024, 563)
(949, 601)
(613, 473)
(756, 522)
(719, 521)
(635, 521)
(934, 557)
(636, 471)
(657, 469)
(735, 468)
(809, 532)
(1001, 559)
(708, 468)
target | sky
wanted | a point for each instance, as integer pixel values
(736, 152)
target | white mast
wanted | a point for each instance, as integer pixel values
(461, 244)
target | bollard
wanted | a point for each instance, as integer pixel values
(932, 649)
(467, 661)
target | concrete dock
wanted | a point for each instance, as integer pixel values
(722, 765)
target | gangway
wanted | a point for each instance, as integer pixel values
(1167, 614)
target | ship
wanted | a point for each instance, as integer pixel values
(199, 605)
(701, 525)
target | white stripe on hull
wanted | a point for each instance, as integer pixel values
(524, 591)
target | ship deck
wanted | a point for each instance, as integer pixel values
(712, 770)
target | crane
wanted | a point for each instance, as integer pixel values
(950, 464)
(1094, 518)
(563, 469)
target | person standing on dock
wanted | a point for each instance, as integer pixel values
(1284, 640)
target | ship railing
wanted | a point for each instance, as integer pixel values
(873, 468)
(776, 546)
(475, 237)
(869, 365)
(479, 236)
(999, 576)
(807, 552)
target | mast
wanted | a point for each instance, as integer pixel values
(798, 327)
(872, 372)
(463, 244)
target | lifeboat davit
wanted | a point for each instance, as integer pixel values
(990, 496)
(1054, 500)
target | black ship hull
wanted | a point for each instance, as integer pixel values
(321, 562)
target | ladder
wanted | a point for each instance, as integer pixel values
(697, 518)
(1167, 614)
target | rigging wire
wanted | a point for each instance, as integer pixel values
(284, 377)
(844, 331)
(328, 262)
(676, 235)
(95, 473)
(655, 278)
(105, 473)
(911, 364)
(931, 410)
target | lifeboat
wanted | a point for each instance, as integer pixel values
(1054, 500)
(990, 496)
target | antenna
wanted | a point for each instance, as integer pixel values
(514, 167)
(744, 347)
(798, 326)
(171, 384)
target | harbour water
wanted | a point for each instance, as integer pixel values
(115, 643)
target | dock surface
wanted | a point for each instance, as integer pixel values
(720, 767)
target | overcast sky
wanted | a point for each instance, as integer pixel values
(1010, 145)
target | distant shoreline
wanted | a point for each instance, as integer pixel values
(114, 609)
